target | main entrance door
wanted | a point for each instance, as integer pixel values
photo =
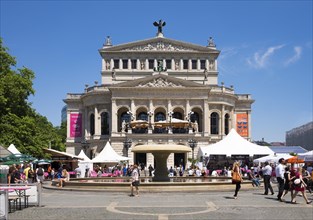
(179, 159)
(141, 159)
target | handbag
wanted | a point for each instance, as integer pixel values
(236, 177)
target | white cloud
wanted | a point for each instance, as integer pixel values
(295, 57)
(260, 60)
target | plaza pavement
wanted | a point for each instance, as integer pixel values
(213, 204)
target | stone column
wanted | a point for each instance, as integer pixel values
(138, 64)
(129, 64)
(189, 64)
(169, 109)
(147, 64)
(198, 64)
(86, 119)
(103, 65)
(173, 64)
(112, 64)
(97, 123)
(223, 120)
(249, 124)
(68, 118)
(120, 64)
(206, 117)
(114, 117)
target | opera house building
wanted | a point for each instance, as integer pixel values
(157, 91)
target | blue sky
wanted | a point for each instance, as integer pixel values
(266, 48)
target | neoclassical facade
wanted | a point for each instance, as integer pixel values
(155, 91)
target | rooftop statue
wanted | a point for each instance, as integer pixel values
(159, 24)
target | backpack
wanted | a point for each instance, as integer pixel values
(40, 171)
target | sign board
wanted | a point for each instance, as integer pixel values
(76, 122)
(242, 124)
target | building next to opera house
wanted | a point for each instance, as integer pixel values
(157, 91)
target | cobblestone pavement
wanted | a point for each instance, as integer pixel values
(251, 204)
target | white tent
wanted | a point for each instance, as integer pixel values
(307, 156)
(272, 158)
(108, 155)
(234, 144)
(84, 156)
(13, 149)
(84, 164)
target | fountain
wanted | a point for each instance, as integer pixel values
(161, 153)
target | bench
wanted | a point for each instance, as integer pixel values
(13, 199)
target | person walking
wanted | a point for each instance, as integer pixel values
(299, 186)
(236, 178)
(288, 182)
(267, 174)
(280, 170)
(134, 180)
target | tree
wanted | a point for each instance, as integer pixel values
(20, 124)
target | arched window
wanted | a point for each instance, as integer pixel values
(177, 115)
(195, 117)
(105, 123)
(125, 117)
(159, 117)
(214, 123)
(226, 123)
(92, 124)
(143, 116)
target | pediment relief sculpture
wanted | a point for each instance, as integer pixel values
(159, 46)
(159, 82)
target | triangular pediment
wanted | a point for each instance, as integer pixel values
(158, 44)
(157, 81)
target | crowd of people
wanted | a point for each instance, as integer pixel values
(289, 178)
(26, 173)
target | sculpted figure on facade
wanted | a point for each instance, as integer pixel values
(160, 82)
(142, 64)
(159, 46)
(107, 65)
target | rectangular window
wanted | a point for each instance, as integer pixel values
(116, 64)
(194, 64)
(151, 64)
(202, 64)
(134, 64)
(125, 64)
(185, 64)
(169, 64)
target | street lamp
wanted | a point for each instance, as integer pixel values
(192, 144)
(170, 114)
(127, 144)
(84, 144)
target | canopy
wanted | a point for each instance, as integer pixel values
(234, 144)
(16, 159)
(272, 158)
(108, 155)
(84, 157)
(295, 159)
(13, 149)
(307, 157)
(60, 155)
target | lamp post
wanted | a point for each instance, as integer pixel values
(189, 120)
(127, 144)
(170, 114)
(192, 144)
(84, 144)
(150, 114)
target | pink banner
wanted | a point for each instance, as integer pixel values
(76, 125)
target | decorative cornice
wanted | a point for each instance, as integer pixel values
(158, 46)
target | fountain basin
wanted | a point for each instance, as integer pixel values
(161, 153)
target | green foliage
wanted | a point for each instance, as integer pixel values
(19, 122)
